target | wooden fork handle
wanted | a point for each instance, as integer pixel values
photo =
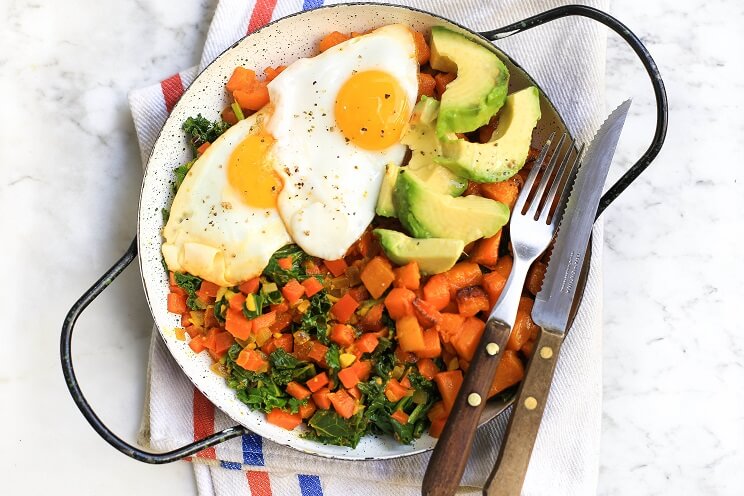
(452, 451)
(507, 477)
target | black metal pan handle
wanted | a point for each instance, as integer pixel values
(662, 111)
(65, 346)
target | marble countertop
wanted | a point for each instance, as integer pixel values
(673, 418)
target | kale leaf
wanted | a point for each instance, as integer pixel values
(191, 285)
(258, 301)
(315, 320)
(379, 408)
(264, 396)
(285, 368)
(180, 173)
(333, 359)
(328, 427)
(201, 130)
(383, 357)
(280, 359)
(220, 309)
(282, 276)
(270, 293)
(263, 391)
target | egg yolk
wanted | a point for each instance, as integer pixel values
(249, 171)
(371, 109)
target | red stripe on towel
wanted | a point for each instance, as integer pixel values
(203, 423)
(172, 91)
(261, 15)
(258, 483)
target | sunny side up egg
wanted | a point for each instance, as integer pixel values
(223, 224)
(337, 120)
(306, 168)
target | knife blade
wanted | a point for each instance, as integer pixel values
(554, 301)
(552, 308)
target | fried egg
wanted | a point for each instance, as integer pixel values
(337, 120)
(223, 224)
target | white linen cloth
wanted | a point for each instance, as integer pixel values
(567, 59)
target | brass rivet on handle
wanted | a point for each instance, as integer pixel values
(474, 399)
(546, 352)
(492, 349)
(530, 403)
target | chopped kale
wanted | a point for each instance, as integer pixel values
(327, 427)
(383, 358)
(315, 320)
(191, 285)
(201, 130)
(264, 395)
(253, 306)
(270, 293)
(220, 309)
(180, 173)
(333, 359)
(296, 271)
(285, 368)
(379, 408)
(265, 391)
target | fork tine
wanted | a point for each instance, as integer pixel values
(550, 197)
(567, 188)
(536, 200)
(536, 166)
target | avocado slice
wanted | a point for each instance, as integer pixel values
(428, 214)
(421, 137)
(506, 152)
(480, 88)
(433, 255)
(385, 206)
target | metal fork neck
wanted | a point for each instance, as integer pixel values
(505, 309)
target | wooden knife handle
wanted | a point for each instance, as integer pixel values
(452, 451)
(507, 477)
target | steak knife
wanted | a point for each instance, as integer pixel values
(552, 309)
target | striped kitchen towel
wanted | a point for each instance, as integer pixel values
(568, 61)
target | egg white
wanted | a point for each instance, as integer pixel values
(211, 232)
(331, 185)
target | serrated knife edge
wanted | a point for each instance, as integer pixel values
(554, 301)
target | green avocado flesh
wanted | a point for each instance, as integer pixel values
(480, 88)
(428, 214)
(506, 152)
(433, 255)
(385, 205)
(421, 137)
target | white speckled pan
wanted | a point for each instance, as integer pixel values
(281, 42)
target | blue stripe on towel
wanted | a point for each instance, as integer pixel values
(253, 450)
(310, 485)
(311, 4)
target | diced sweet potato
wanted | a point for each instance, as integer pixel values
(535, 277)
(493, 283)
(472, 300)
(467, 340)
(462, 275)
(509, 372)
(505, 192)
(524, 326)
(504, 265)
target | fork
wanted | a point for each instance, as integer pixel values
(532, 227)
